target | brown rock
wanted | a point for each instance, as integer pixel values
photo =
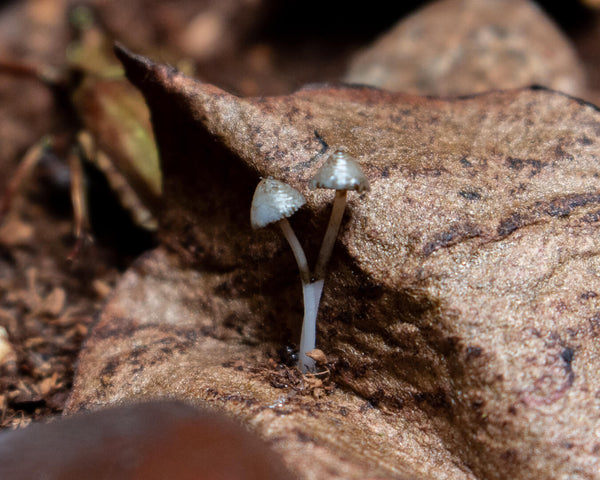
(460, 311)
(458, 47)
(144, 441)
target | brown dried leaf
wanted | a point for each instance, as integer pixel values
(164, 333)
(460, 310)
(459, 47)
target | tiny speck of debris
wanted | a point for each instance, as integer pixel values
(318, 356)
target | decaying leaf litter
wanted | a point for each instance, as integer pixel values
(454, 292)
(417, 292)
(38, 34)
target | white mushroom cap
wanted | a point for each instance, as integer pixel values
(340, 172)
(273, 201)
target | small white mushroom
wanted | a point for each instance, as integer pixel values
(341, 173)
(274, 202)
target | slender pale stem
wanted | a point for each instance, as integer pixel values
(335, 220)
(311, 293)
(297, 250)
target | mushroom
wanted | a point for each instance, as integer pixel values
(274, 202)
(341, 173)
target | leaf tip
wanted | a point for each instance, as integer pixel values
(132, 62)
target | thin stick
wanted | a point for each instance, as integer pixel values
(78, 197)
(30, 160)
(47, 75)
(81, 216)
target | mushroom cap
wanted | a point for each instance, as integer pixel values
(273, 200)
(340, 172)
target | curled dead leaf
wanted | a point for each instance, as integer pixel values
(462, 295)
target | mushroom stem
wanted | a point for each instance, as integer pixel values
(335, 220)
(297, 250)
(312, 291)
(312, 294)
